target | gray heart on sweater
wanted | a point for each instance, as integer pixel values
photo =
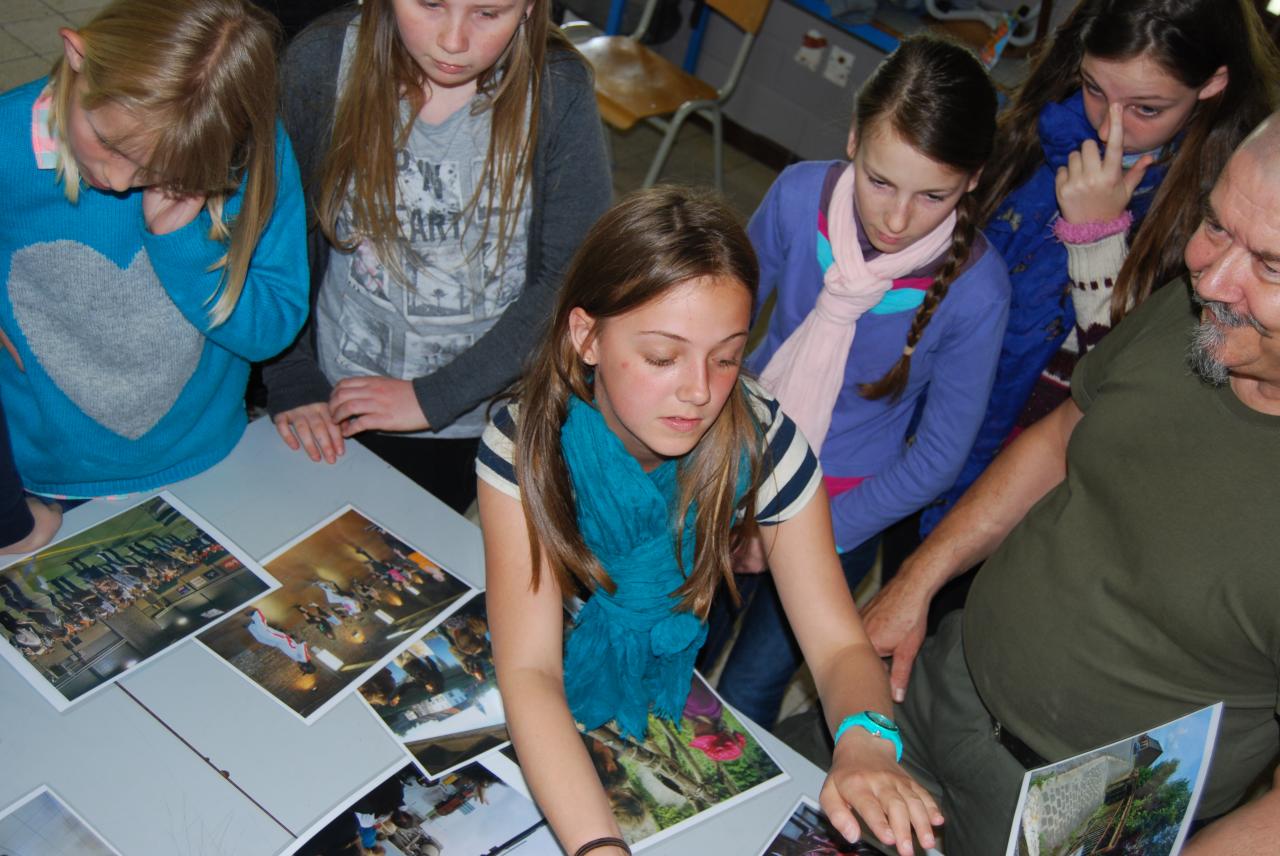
(110, 338)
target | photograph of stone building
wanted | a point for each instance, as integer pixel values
(1134, 797)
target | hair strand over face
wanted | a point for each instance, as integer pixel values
(642, 248)
(207, 101)
(359, 170)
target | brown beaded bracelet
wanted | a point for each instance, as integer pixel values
(611, 841)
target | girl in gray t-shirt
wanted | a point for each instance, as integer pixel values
(450, 189)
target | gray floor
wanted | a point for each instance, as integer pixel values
(745, 179)
(29, 41)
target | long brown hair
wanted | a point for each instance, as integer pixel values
(360, 167)
(939, 99)
(647, 244)
(201, 77)
(1191, 40)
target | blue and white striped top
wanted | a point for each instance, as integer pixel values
(789, 477)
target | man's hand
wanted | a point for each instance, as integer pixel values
(895, 621)
(376, 404)
(311, 428)
(1095, 188)
(164, 212)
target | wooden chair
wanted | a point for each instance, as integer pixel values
(634, 83)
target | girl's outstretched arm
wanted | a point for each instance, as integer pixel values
(864, 774)
(527, 629)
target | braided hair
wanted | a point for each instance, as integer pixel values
(938, 99)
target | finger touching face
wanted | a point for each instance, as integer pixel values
(1155, 105)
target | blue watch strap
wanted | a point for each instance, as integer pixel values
(875, 724)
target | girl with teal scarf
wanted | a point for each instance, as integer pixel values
(630, 461)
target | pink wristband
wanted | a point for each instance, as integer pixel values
(1087, 233)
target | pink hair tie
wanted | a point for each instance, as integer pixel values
(1087, 233)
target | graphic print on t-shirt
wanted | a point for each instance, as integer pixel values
(454, 285)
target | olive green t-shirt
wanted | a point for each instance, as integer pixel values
(1147, 584)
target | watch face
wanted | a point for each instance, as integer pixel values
(881, 720)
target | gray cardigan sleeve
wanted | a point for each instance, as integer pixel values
(571, 188)
(308, 87)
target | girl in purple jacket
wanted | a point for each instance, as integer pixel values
(889, 316)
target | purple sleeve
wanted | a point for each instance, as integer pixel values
(765, 232)
(963, 371)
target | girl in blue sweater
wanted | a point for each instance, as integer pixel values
(153, 244)
(878, 263)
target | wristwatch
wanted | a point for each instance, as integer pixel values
(876, 724)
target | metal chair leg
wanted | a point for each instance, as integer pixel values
(668, 140)
(717, 144)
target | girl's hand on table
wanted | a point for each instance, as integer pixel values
(1096, 188)
(865, 777)
(376, 404)
(311, 428)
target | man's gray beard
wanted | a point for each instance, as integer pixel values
(1208, 337)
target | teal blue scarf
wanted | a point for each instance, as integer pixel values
(631, 651)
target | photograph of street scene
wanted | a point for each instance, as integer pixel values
(1135, 797)
(40, 823)
(88, 609)
(807, 832)
(439, 696)
(683, 771)
(470, 812)
(351, 595)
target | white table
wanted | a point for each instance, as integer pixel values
(148, 774)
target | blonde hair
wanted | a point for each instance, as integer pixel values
(200, 75)
(360, 166)
(649, 243)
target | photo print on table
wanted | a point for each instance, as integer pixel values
(351, 596)
(439, 697)
(98, 603)
(682, 774)
(41, 823)
(469, 812)
(807, 832)
(1137, 795)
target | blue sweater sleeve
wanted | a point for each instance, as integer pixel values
(963, 371)
(273, 302)
(765, 231)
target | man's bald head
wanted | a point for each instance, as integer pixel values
(1263, 141)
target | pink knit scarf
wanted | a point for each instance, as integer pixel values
(807, 372)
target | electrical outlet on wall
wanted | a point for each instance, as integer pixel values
(839, 66)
